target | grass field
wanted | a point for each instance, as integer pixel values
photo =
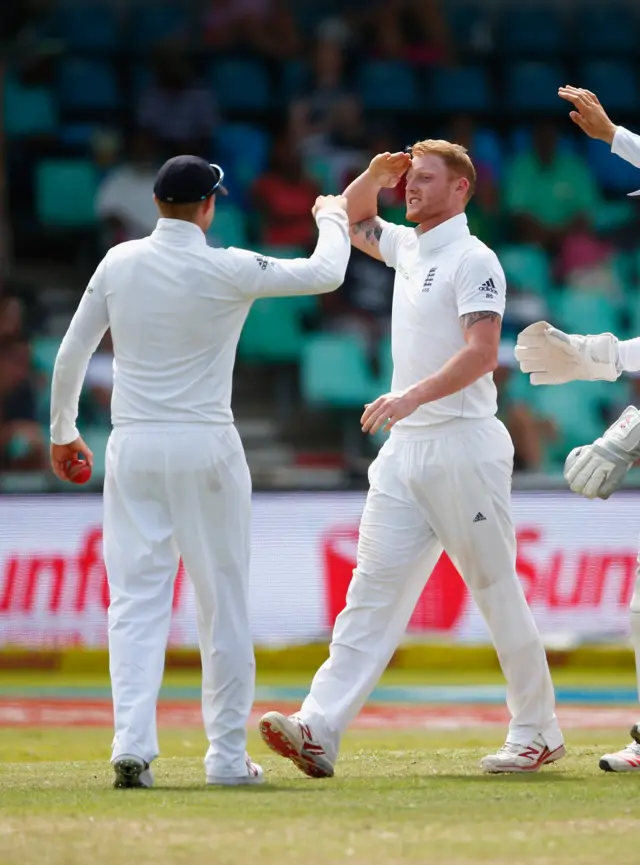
(399, 797)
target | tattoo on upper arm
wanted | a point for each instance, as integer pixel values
(472, 318)
(371, 228)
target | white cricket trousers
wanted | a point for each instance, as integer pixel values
(171, 491)
(449, 491)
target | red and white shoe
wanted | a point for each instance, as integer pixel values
(627, 760)
(522, 758)
(292, 739)
(253, 775)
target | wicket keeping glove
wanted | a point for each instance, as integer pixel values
(551, 356)
(597, 470)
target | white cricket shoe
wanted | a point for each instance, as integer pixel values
(254, 775)
(292, 739)
(627, 760)
(131, 771)
(522, 758)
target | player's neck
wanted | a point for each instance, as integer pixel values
(436, 220)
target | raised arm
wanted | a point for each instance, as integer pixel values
(255, 276)
(591, 117)
(384, 172)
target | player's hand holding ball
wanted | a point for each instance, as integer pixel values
(72, 462)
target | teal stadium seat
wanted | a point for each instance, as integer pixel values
(272, 332)
(228, 227)
(385, 360)
(585, 312)
(526, 268)
(335, 372)
(65, 192)
(575, 409)
(44, 350)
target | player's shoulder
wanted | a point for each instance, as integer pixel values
(475, 252)
(127, 250)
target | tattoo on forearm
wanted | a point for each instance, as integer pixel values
(371, 229)
(472, 318)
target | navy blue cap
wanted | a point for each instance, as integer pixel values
(187, 180)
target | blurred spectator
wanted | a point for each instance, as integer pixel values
(412, 30)
(22, 444)
(586, 261)
(11, 320)
(177, 109)
(548, 189)
(125, 197)
(263, 26)
(529, 432)
(284, 196)
(328, 119)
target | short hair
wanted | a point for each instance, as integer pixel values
(455, 157)
(187, 212)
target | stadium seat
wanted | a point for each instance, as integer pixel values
(461, 88)
(44, 350)
(241, 85)
(28, 110)
(228, 227)
(534, 86)
(244, 150)
(385, 362)
(576, 409)
(586, 312)
(611, 172)
(470, 25)
(272, 332)
(531, 30)
(65, 192)
(78, 134)
(521, 138)
(87, 26)
(387, 85)
(526, 268)
(158, 22)
(87, 85)
(334, 371)
(293, 80)
(487, 148)
(615, 83)
(606, 28)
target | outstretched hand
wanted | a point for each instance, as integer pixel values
(589, 114)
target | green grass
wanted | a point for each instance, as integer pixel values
(397, 798)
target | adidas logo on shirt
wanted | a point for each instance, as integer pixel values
(479, 517)
(488, 289)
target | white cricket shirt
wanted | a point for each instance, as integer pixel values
(176, 308)
(440, 275)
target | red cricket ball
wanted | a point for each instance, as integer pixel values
(79, 471)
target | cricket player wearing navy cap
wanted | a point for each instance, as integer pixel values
(551, 356)
(177, 482)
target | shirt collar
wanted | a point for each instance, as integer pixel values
(179, 231)
(442, 235)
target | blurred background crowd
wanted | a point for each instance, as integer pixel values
(293, 99)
